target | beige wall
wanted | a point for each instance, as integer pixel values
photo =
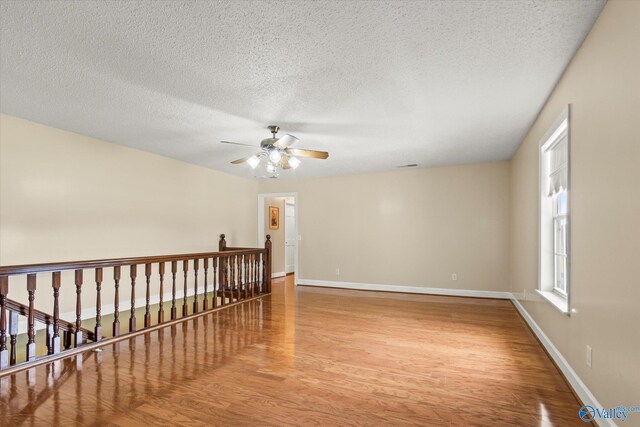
(410, 227)
(277, 236)
(65, 196)
(602, 84)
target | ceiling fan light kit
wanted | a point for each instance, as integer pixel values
(294, 162)
(277, 154)
(253, 161)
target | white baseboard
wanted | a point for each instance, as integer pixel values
(405, 289)
(276, 275)
(576, 383)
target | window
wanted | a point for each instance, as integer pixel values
(553, 268)
(560, 243)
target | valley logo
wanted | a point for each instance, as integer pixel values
(589, 413)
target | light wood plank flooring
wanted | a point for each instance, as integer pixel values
(309, 356)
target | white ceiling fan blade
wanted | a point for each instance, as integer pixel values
(286, 141)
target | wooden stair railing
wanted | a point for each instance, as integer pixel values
(228, 277)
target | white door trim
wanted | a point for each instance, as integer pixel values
(262, 232)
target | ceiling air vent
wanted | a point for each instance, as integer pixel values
(412, 165)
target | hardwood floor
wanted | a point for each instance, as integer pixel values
(309, 356)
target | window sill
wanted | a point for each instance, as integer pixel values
(556, 300)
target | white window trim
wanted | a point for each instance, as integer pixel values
(558, 301)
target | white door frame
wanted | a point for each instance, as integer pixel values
(262, 232)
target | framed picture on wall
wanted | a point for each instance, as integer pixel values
(274, 217)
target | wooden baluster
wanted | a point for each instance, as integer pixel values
(214, 264)
(4, 353)
(185, 269)
(133, 270)
(250, 280)
(116, 306)
(259, 275)
(263, 284)
(67, 339)
(267, 246)
(222, 283)
(238, 269)
(98, 327)
(256, 272)
(247, 280)
(239, 277)
(242, 276)
(250, 275)
(55, 284)
(31, 331)
(196, 264)
(160, 307)
(174, 270)
(251, 268)
(256, 268)
(78, 330)
(245, 283)
(13, 336)
(232, 277)
(205, 302)
(256, 258)
(261, 269)
(222, 272)
(49, 337)
(229, 278)
(147, 312)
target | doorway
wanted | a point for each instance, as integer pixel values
(283, 231)
(290, 239)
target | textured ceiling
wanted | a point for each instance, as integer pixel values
(377, 84)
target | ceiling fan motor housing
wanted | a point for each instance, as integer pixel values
(267, 142)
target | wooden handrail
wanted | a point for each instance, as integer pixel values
(238, 275)
(12, 270)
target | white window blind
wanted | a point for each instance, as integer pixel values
(558, 161)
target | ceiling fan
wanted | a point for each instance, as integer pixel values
(277, 153)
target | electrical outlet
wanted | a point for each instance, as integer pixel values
(589, 349)
(454, 277)
(337, 271)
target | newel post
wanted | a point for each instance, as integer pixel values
(222, 270)
(4, 353)
(267, 268)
